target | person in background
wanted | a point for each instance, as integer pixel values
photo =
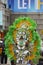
(3, 55)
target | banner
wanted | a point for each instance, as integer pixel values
(26, 5)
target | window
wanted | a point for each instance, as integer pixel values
(5, 5)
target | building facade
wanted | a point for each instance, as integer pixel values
(4, 17)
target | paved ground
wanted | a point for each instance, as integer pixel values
(5, 64)
(9, 64)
